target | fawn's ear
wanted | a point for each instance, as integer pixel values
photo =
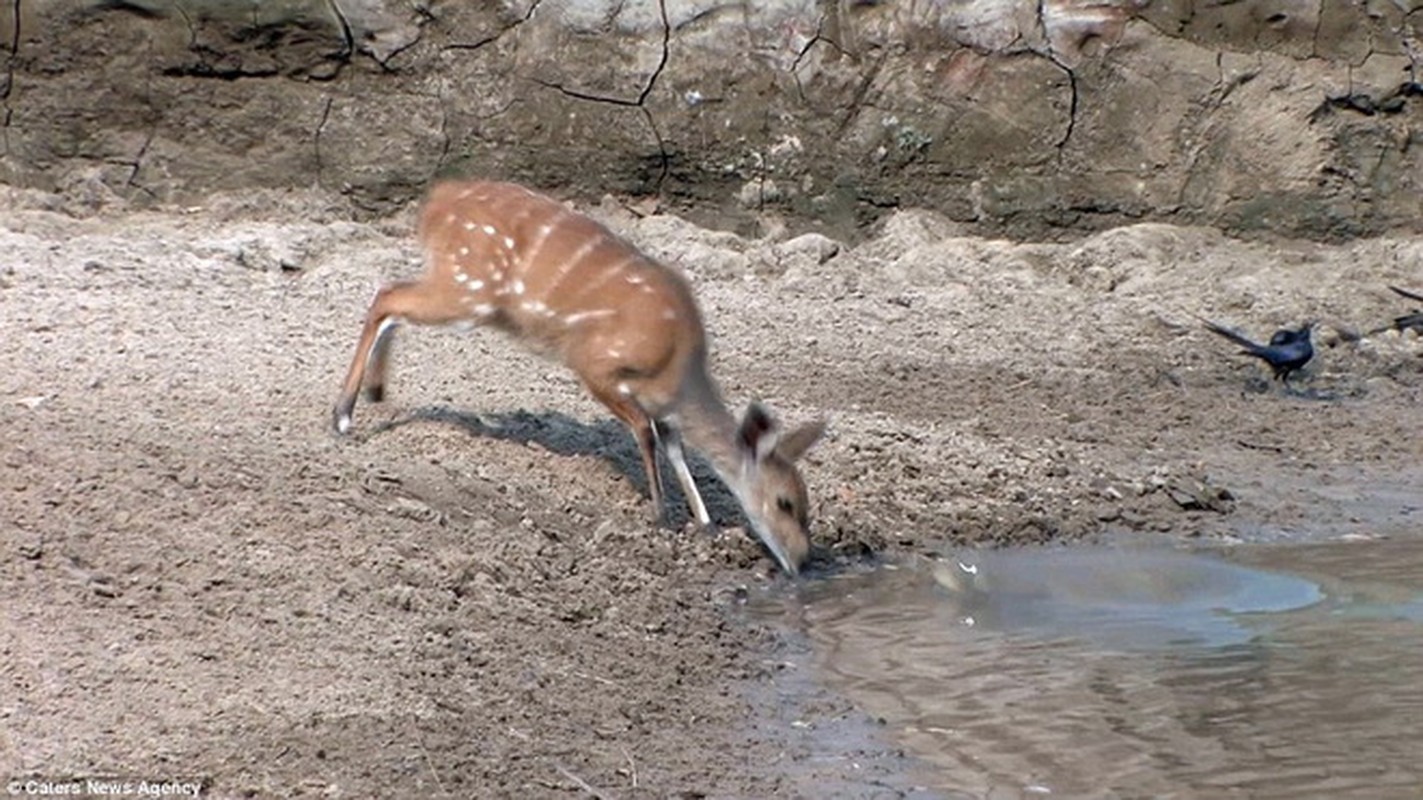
(757, 433)
(794, 444)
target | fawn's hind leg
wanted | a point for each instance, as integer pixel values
(418, 302)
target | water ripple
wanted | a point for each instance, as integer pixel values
(1093, 673)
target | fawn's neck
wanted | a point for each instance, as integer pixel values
(707, 424)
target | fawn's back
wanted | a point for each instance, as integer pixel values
(562, 283)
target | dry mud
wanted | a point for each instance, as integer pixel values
(466, 598)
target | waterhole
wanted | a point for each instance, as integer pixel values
(1259, 671)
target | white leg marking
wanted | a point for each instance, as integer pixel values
(343, 424)
(385, 326)
(673, 444)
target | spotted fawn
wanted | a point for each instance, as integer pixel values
(498, 254)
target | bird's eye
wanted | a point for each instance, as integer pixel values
(785, 505)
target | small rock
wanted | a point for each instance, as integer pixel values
(32, 549)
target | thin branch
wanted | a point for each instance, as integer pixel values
(582, 784)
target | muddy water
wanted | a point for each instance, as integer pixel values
(1262, 671)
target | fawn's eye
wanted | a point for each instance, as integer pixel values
(785, 505)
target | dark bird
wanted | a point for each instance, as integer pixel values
(1403, 323)
(1287, 352)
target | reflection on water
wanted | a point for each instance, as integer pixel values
(1116, 599)
(1284, 671)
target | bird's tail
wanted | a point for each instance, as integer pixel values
(1408, 294)
(1401, 324)
(1232, 335)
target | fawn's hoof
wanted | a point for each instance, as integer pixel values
(340, 422)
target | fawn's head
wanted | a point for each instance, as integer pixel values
(770, 487)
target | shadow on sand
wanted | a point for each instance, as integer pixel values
(608, 439)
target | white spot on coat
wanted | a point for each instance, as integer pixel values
(517, 287)
(460, 277)
(508, 243)
(475, 285)
(469, 226)
(489, 230)
(464, 251)
(583, 316)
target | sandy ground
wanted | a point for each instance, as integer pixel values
(465, 598)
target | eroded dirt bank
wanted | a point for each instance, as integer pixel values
(465, 599)
(1028, 118)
